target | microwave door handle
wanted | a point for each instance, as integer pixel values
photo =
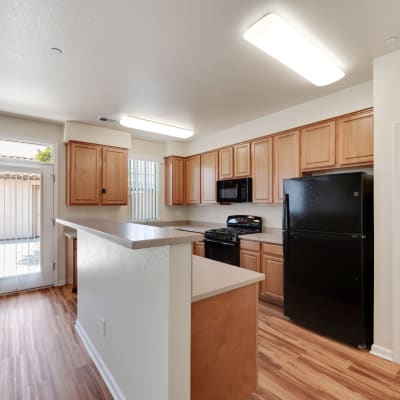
(237, 191)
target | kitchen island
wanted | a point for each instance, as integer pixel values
(134, 304)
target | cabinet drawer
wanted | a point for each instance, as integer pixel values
(250, 245)
(274, 249)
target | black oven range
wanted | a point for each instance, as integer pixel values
(223, 244)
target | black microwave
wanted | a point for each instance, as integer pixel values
(234, 191)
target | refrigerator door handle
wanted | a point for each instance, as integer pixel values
(285, 222)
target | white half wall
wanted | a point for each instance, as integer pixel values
(144, 297)
(386, 115)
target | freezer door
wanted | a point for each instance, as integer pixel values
(328, 203)
(324, 286)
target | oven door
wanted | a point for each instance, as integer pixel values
(227, 252)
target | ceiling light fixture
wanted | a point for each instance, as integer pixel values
(278, 39)
(150, 126)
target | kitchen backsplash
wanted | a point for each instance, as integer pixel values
(271, 213)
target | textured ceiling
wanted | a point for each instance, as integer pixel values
(182, 62)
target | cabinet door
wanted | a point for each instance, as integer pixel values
(199, 249)
(272, 287)
(261, 160)
(174, 181)
(250, 260)
(225, 157)
(286, 160)
(209, 176)
(84, 163)
(318, 146)
(192, 171)
(356, 139)
(241, 160)
(115, 176)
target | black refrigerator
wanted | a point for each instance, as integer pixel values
(328, 255)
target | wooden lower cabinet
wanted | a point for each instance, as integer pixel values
(271, 289)
(199, 249)
(266, 258)
(71, 259)
(250, 255)
(224, 346)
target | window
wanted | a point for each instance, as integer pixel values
(25, 151)
(143, 189)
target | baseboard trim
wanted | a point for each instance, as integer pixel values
(109, 380)
(382, 352)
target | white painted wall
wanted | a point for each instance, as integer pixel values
(386, 114)
(96, 134)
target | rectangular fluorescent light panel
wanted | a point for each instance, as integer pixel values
(278, 39)
(150, 126)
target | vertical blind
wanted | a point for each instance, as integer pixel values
(19, 223)
(143, 189)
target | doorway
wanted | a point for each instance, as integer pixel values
(26, 225)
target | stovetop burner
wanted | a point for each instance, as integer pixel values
(237, 225)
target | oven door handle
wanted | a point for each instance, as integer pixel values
(220, 242)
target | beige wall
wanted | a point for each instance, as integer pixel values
(386, 114)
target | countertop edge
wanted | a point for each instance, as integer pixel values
(228, 288)
(132, 244)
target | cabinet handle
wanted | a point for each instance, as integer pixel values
(104, 190)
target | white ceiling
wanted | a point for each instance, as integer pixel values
(182, 62)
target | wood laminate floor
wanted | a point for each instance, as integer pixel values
(42, 358)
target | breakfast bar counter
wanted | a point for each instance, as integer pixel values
(143, 297)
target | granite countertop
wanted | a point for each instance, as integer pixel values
(271, 235)
(211, 278)
(128, 234)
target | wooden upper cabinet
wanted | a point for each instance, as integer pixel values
(209, 176)
(261, 161)
(317, 143)
(241, 160)
(356, 139)
(192, 173)
(286, 160)
(93, 169)
(174, 178)
(84, 164)
(115, 176)
(225, 157)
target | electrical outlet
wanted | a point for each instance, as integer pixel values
(102, 326)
